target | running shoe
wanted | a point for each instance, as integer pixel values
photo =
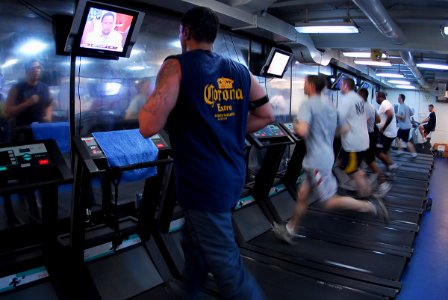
(381, 210)
(384, 188)
(283, 234)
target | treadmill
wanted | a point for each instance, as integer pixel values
(360, 230)
(252, 222)
(30, 259)
(116, 259)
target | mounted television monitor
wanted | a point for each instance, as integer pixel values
(103, 30)
(277, 63)
(338, 81)
(365, 85)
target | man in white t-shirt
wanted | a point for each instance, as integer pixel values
(387, 130)
(354, 135)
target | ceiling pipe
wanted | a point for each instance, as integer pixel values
(378, 15)
(409, 61)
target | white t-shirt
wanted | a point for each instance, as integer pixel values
(391, 130)
(351, 109)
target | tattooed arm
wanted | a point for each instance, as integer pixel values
(153, 115)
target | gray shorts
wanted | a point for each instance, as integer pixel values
(323, 184)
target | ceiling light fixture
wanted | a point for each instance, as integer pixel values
(433, 66)
(327, 27)
(399, 82)
(405, 86)
(367, 62)
(390, 75)
(361, 54)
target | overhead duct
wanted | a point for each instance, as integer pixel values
(378, 15)
(251, 5)
(408, 59)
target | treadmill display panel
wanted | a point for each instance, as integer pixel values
(290, 127)
(271, 130)
(23, 156)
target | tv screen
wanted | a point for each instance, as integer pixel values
(103, 30)
(276, 63)
(365, 85)
(338, 81)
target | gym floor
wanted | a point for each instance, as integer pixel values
(426, 276)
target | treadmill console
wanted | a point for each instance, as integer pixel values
(34, 163)
(92, 152)
(270, 135)
(289, 128)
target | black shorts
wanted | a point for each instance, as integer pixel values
(403, 134)
(369, 154)
(350, 161)
(427, 128)
(384, 143)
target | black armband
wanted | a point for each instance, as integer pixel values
(257, 103)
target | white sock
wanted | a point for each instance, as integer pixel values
(289, 229)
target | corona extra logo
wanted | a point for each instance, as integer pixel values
(225, 83)
(224, 92)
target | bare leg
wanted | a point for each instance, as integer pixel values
(398, 141)
(422, 131)
(301, 206)
(411, 147)
(385, 158)
(348, 203)
(374, 167)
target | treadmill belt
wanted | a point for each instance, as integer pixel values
(352, 260)
(357, 231)
(280, 284)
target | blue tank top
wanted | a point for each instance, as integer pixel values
(207, 128)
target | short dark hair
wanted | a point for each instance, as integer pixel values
(381, 94)
(364, 93)
(402, 96)
(107, 14)
(430, 105)
(29, 63)
(319, 82)
(202, 22)
(349, 82)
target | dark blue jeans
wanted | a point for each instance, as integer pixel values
(209, 246)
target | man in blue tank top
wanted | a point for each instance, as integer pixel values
(209, 103)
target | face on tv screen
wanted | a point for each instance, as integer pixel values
(105, 30)
(278, 64)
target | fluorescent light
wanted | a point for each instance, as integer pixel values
(9, 62)
(433, 66)
(136, 68)
(361, 54)
(175, 44)
(327, 27)
(380, 63)
(400, 82)
(407, 87)
(445, 30)
(390, 75)
(32, 47)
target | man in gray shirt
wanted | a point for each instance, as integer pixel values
(404, 126)
(316, 123)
